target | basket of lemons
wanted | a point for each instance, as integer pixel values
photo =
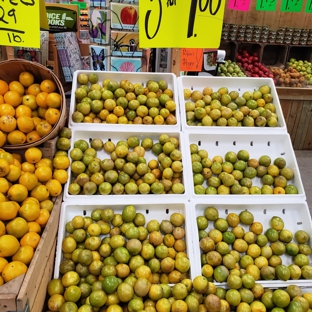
(32, 104)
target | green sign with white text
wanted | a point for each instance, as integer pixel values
(61, 19)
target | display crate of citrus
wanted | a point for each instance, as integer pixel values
(32, 104)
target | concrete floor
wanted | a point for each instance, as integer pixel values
(304, 158)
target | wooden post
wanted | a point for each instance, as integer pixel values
(175, 61)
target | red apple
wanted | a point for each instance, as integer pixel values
(129, 15)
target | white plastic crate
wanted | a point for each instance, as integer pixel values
(115, 136)
(240, 84)
(141, 78)
(273, 145)
(296, 216)
(154, 211)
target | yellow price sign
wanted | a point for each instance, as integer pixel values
(20, 23)
(180, 24)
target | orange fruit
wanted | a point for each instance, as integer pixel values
(54, 100)
(36, 120)
(29, 180)
(7, 123)
(17, 157)
(4, 185)
(30, 101)
(13, 98)
(8, 210)
(2, 232)
(16, 137)
(54, 187)
(33, 155)
(52, 115)
(17, 192)
(33, 226)
(1, 99)
(31, 200)
(13, 269)
(34, 113)
(44, 162)
(61, 162)
(3, 138)
(33, 89)
(25, 124)
(29, 211)
(28, 167)
(7, 109)
(40, 192)
(3, 263)
(43, 128)
(23, 110)
(14, 173)
(9, 245)
(43, 173)
(26, 78)
(61, 175)
(41, 112)
(47, 204)
(4, 87)
(43, 217)
(41, 99)
(24, 254)
(7, 156)
(48, 85)
(32, 136)
(17, 227)
(17, 163)
(16, 86)
(30, 239)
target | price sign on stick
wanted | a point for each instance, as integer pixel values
(291, 5)
(180, 23)
(239, 5)
(191, 59)
(20, 23)
(308, 8)
(266, 5)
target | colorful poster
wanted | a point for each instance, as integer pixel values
(291, 5)
(125, 43)
(98, 26)
(266, 5)
(124, 16)
(126, 64)
(191, 59)
(181, 24)
(239, 5)
(98, 57)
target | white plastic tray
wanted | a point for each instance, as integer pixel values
(142, 78)
(155, 211)
(115, 136)
(296, 216)
(273, 145)
(240, 84)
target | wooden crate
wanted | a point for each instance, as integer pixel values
(28, 291)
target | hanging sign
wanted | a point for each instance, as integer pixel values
(16, 26)
(308, 8)
(291, 5)
(191, 59)
(266, 5)
(181, 24)
(239, 5)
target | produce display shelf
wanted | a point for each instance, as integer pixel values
(296, 216)
(273, 145)
(141, 78)
(115, 136)
(240, 84)
(151, 211)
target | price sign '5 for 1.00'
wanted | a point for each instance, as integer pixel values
(180, 23)
(20, 23)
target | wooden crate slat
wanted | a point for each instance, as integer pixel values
(294, 118)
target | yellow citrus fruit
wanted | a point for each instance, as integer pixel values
(52, 115)
(14, 173)
(17, 227)
(31, 200)
(16, 86)
(33, 89)
(4, 87)
(26, 78)
(41, 99)
(28, 167)
(47, 85)
(43, 217)
(47, 204)
(29, 180)
(7, 123)
(4, 167)
(44, 162)
(61, 162)
(61, 175)
(13, 98)
(25, 124)
(54, 100)
(7, 109)
(4, 185)
(36, 120)
(2, 228)
(3, 263)
(23, 110)
(24, 254)
(7, 156)
(33, 226)
(40, 192)
(17, 192)
(13, 269)
(8, 210)
(17, 157)
(43, 173)
(16, 137)
(32, 136)
(9, 245)
(54, 187)
(30, 239)
(29, 211)
(3, 198)
(33, 155)
(43, 128)
(3, 138)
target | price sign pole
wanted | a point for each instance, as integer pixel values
(20, 23)
(181, 24)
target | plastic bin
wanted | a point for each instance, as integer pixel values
(115, 136)
(296, 216)
(240, 84)
(141, 78)
(152, 211)
(273, 145)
